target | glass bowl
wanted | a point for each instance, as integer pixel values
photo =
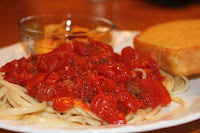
(41, 34)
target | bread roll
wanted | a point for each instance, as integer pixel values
(176, 44)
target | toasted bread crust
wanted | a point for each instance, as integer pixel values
(178, 62)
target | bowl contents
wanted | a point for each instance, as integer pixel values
(41, 34)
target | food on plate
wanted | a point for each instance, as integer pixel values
(84, 84)
(176, 43)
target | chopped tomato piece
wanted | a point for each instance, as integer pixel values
(85, 89)
(108, 85)
(53, 78)
(153, 93)
(106, 108)
(80, 48)
(81, 104)
(130, 101)
(129, 54)
(46, 92)
(62, 103)
(32, 86)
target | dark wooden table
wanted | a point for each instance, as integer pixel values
(126, 14)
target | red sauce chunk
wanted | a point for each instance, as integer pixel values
(78, 73)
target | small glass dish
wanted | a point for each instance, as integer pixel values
(41, 34)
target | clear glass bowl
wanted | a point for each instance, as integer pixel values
(41, 34)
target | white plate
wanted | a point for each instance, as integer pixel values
(121, 40)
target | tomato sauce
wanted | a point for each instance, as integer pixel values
(91, 72)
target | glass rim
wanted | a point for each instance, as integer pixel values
(104, 20)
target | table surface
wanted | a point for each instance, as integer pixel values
(126, 14)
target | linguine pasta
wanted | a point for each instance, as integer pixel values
(16, 104)
(175, 84)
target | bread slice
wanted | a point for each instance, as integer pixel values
(176, 44)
